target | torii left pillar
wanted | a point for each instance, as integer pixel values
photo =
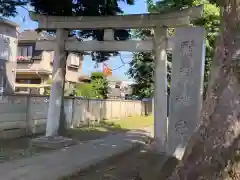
(51, 139)
(57, 88)
(160, 90)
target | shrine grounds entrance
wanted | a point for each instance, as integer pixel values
(188, 49)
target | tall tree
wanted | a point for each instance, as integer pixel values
(8, 7)
(210, 21)
(86, 8)
(99, 85)
(213, 151)
(84, 90)
(141, 70)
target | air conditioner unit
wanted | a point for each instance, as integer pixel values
(1, 90)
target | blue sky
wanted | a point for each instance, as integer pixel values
(88, 64)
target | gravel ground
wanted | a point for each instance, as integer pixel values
(137, 164)
(11, 149)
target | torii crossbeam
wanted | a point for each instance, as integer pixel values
(134, 21)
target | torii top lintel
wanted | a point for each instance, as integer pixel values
(134, 21)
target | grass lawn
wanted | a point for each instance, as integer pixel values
(137, 122)
(108, 127)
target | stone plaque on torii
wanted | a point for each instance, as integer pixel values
(159, 44)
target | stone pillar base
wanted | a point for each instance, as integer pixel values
(157, 147)
(53, 142)
(179, 152)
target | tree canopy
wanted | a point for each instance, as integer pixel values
(140, 70)
(8, 7)
(84, 90)
(99, 85)
(97, 88)
(86, 8)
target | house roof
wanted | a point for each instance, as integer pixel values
(10, 23)
(113, 79)
(84, 78)
(32, 35)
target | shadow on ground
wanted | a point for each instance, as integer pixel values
(140, 163)
(11, 149)
(91, 132)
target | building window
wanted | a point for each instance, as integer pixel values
(66, 86)
(28, 81)
(25, 51)
(74, 60)
(3, 84)
(51, 56)
(72, 85)
(4, 47)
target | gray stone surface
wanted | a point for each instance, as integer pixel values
(70, 160)
(55, 142)
(186, 87)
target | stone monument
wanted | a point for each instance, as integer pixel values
(186, 87)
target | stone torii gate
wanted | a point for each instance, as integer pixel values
(166, 141)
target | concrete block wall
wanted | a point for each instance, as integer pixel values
(13, 113)
(22, 115)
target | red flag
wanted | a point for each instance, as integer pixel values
(106, 70)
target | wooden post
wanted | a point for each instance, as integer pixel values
(57, 89)
(160, 89)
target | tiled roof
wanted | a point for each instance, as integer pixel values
(10, 23)
(31, 35)
(113, 79)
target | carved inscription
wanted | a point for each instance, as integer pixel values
(187, 53)
(186, 48)
(185, 73)
(181, 127)
(184, 100)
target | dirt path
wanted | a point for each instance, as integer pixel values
(137, 164)
(11, 149)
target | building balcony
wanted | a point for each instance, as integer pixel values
(36, 89)
(24, 59)
(84, 79)
(33, 71)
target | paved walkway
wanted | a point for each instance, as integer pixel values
(67, 161)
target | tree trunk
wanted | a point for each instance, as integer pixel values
(213, 152)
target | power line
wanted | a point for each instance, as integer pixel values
(123, 63)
